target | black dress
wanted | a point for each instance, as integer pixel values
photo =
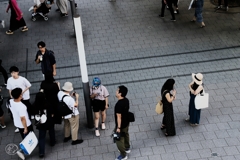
(168, 118)
(51, 90)
(14, 23)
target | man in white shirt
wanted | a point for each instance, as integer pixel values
(19, 112)
(17, 81)
(71, 121)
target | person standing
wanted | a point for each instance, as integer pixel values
(19, 112)
(46, 58)
(43, 108)
(2, 123)
(71, 121)
(169, 4)
(99, 95)
(198, 13)
(4, 73)
(195, 88)
(16, 19)
(17, 81)
(121, 121)
(51, 89)
(62, 7)
(167, 99)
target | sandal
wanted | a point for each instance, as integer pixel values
(193, 20)
(24, 29)
(166, 134)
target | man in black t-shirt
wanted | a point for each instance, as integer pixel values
(46, 58)
(121, 120)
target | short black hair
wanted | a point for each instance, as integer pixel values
(123, 90)
(13, 69)
(16, 93)
(41, 43)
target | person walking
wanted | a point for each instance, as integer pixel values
(167, 99)
(169, 4)
(225, 4)
(198, 13)
(2, 23)
(62, 7)
(43, 108)
(16, 19)
(46, 58)
(71, 121)
(19, 112)
(2, 123)
(17, 81)
(175, 4)
(195, 87)
(121, 121)
(4, 73)
(99, 95)
(50, 89)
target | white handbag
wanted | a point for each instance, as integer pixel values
(202, 100)
(29, 143)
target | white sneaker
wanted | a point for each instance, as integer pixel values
(227, 8)
(127, 150)
(3, 126)
(32, 117)
(21, 155)
(16, 130)
(3, 23)
(103, 126)
(97, 133)
(175, 12)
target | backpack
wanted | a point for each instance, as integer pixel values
(131, 117)
(63, 108)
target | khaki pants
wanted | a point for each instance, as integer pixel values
(123, 143)
(71, 125)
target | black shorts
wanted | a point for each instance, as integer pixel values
(98, 105)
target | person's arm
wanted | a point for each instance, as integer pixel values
(37, 59)
(170, 98)
(10, 93)
(198, 90)
(119, 121)
(25, 90)
(76, 101)
(190, 87)
(7, 8)
(24, 123)
(27, 84)
(54, 70)
(106, 100)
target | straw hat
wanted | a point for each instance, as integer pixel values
(67, 87)
(197, 78)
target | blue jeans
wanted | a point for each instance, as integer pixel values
(42, 138)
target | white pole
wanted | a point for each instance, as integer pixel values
(83, 68)
(80, 47)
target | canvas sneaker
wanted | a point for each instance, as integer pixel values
(103, 126)
(16, 130)
(97, 133)
(3, 23)
(3, 126)
(21, 155)
(120, 157)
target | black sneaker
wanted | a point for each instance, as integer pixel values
(66, 139)
(58, 10)
(173, 19)
(41, 156)
(53, 143)
(161, 16)
(77, 142)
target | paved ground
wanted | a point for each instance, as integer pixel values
(127, 43)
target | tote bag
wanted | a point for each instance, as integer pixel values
(159, 107)
(202, 100)
(29, 143)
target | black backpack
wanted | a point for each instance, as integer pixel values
(63, 108)
(131, 117)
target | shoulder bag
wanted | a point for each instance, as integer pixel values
(201, 100)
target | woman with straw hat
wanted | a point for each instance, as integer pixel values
(195, 88)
